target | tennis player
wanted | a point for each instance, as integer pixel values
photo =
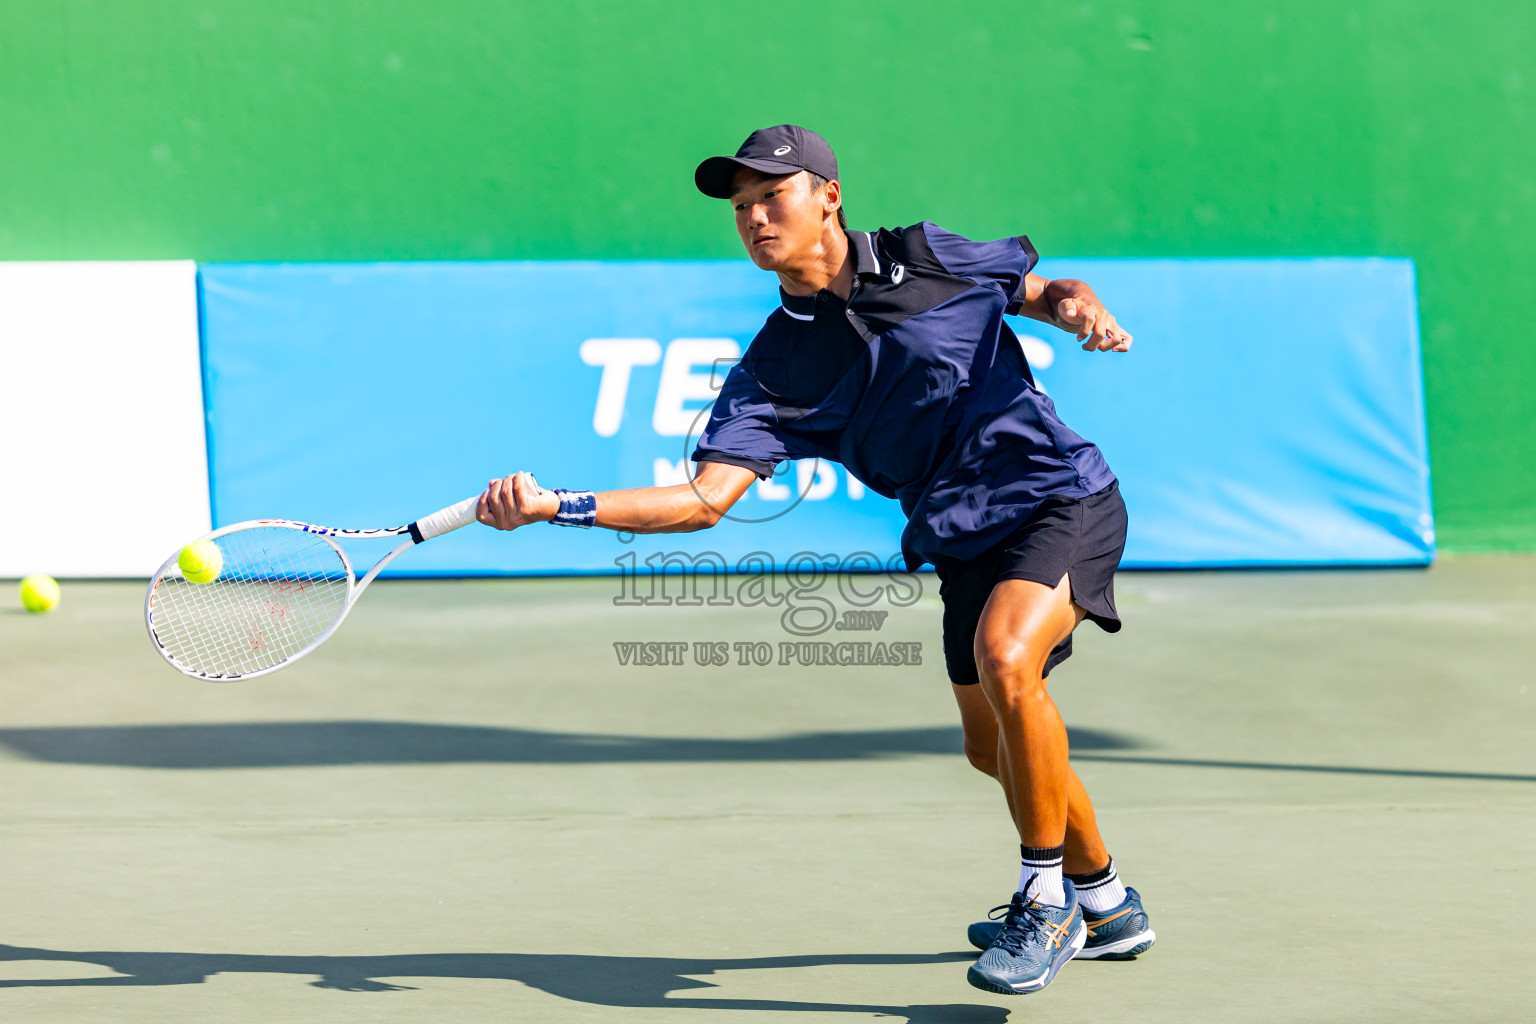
(890, 354)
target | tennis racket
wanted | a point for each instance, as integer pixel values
(281, 591)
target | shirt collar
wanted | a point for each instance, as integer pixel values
(861, 245)
(801, 307)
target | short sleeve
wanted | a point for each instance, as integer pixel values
(1004, 262)
(744, 429)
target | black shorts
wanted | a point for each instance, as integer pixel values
(1078, 537)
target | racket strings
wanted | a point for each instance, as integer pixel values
(277, 593)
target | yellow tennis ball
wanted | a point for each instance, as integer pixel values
(39, 593)
(201, 561)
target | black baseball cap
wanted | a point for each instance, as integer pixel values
(783, 149)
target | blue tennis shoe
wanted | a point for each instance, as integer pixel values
(1117, 934)
(1032, 943)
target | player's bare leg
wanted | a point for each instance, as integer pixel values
(1085, 849)
(1042, 927)
(1020, 624)
(1014, 733)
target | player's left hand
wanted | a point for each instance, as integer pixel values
(1096, 326)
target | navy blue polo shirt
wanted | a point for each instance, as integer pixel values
(917, 385)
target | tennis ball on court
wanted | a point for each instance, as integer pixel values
(201, 561)
(39, 593)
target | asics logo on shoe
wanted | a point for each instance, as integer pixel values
(1112, 917)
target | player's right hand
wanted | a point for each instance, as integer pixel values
(516, 501)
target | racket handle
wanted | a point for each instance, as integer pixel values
(445, 520)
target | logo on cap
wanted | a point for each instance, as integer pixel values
(781, 150)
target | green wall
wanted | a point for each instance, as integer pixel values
(439, 130)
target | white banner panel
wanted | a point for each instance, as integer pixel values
(103, 470)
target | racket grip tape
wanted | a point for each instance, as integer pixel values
(445, 520)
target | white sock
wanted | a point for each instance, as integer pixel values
(1040, 871)
(1100, 891)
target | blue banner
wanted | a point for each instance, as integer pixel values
(1270, 413)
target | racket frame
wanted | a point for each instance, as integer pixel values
(424, 529)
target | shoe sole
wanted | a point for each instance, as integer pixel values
(1120, 949)
(1074, 945)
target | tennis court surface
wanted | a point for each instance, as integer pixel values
(464, 808)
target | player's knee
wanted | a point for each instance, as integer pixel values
(1013, 668)
(983, 756)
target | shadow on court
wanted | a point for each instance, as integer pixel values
(318, 744)
(598, 980)
(1319, 769)
(298, 744)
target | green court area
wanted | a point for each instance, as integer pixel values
(464, 808)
